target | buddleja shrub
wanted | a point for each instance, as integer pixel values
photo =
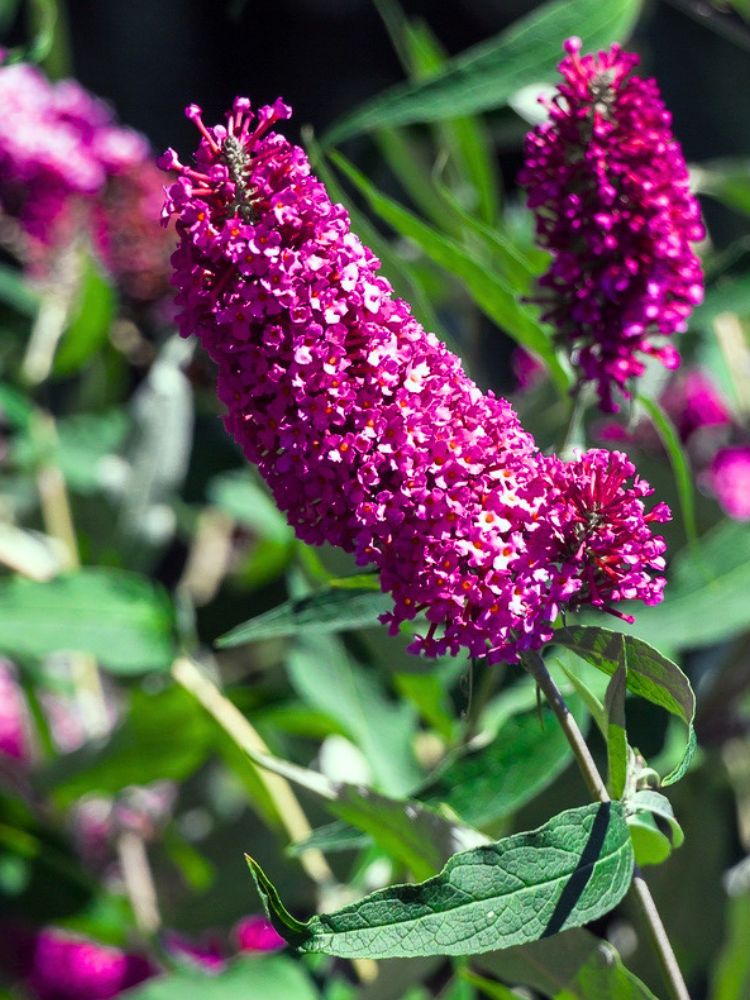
(483, 549)
(372, 438)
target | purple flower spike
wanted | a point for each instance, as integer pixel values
(609, 187)
(365, 427)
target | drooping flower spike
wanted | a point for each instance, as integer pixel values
(365, 427)
(609, 187)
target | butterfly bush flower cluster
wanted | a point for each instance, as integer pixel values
(366, 428)
(56, 140)
(67, 168)
(608, 185)
(716, 442)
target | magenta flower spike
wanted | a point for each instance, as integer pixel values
(365, 427)
(609, 187)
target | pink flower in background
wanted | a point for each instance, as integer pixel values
(729, 478)
(527, 369)
(56, 142)
(366, 428)
(207, 953)
(609, 187)
(14, 737)
(256, 934)
(65, 966)
(134, 247)
(693, 402)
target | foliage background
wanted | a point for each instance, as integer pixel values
(131, 437)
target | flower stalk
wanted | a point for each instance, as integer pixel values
(535, 666)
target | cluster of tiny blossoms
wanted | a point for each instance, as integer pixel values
(609, 187)
(367, 429)
(56, 140)
(67, 170)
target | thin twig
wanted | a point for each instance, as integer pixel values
(233, 722)
(139, 881)
(535, 666)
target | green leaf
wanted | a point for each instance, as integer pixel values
(572, 870)
(466, 139)
(574, 965)
(488, 988)
(650, 845)
(17, 408)
(727, 180)
(617, 742)
(164, 736)
(81, 442)
(332, 838)
(729, 294)
(731, 974)
(123, 620)
(428, 693)
(43, 20)
(706, 600)
(329, 680)
(240, 495)
(485, 786)
(487, 75)
(409, 832)
(16, 292)
(648, 802)
(359, 581)
(259, 976)
(678, 460)
(650, 675)
(90, 323)
(491, 292)
(582, 688)
(332, 610)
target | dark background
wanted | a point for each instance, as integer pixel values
(152, 57)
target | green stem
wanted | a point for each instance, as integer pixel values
(534, 665)
(574, 433)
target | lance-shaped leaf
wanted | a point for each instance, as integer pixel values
(122, 619)
(487, 75)
(617, 742)
(575, 965)
(650, 675)
(574, 869)
(331, 610)
(497, 299)
(489, 784)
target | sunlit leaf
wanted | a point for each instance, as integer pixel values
(333, 610)
(572, 870)
(574, 965)
(121, 619)
(486, 76)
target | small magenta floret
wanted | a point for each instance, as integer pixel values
(365, 427)
(609, 187)
(729, 479)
